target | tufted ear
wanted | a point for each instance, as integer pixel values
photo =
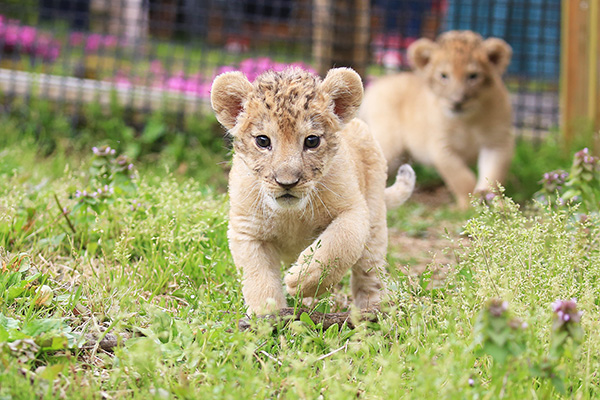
(227, 95)
(498, 52)
(346, 89)
(420, 51)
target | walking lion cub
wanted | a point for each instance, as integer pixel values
(451, 112)
(307, 186)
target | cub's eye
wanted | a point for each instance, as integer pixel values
(263, 141)
(472, 76)
(312, 141)
(443, 76)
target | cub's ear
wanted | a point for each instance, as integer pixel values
(420, 51)
(498, 52)
(346, 90)
(227, 95)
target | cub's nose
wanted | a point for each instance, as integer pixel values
(287, 183)
(457, 106)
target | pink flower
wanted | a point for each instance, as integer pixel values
(225, 68)
(93, 42)
(53, 51)
(11, 35)
(122, 81)
(303, 66)
(191, 86)
(110, 41)
(252, 67)
(76, 39)
(176, 83)
(204, 90)
(27, 37)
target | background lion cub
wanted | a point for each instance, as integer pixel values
(306, 186)
(451, 112)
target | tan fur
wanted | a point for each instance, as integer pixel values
(453, 111)
(336, 219)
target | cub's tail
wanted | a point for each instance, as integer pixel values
(401, 190)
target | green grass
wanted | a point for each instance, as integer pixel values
(152, 262)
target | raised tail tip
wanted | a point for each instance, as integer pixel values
(402, 188)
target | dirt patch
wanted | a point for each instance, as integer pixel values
(437, 239)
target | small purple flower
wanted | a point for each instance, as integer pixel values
(497, 307)
(585, 159)
(516, 323)
(471, 382)
(103, 151)
(554, 180)
(566, 311)
(490, 196)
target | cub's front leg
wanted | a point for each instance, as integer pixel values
(261, 272)
(493, 164)
(456, 174)
(335, 251)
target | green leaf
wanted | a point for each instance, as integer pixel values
(25, 263)
(39, 326)
(153, 132)
(51, 372)
(52, 241)
(498, 353)
(500, 337)
(57, 343)
(15, 291)
(304, 317)
(333, 331)
(558, 384)
(8, 323)
(3, 335)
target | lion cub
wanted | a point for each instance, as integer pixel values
(453, 111)
(306, 186)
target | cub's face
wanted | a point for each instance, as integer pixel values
(285, 127)
(460, 68)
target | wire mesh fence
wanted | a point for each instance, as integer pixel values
(155, 54)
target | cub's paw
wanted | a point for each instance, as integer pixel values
(303, 280)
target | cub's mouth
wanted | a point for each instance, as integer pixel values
(288, 200)
(287, 196)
